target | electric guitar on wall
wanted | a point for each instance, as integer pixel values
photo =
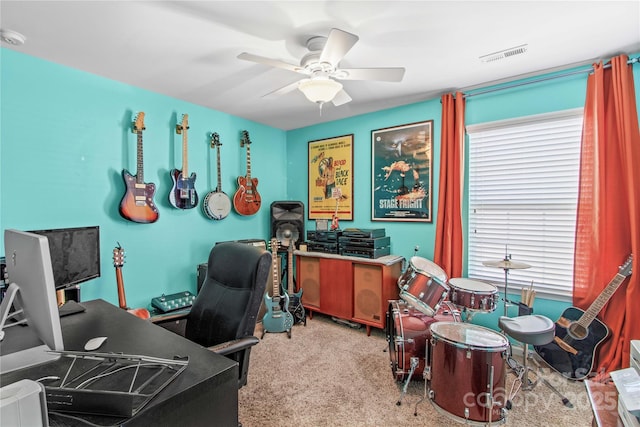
(277, 318)
(295, 298)
(579, 333)
(118, 262)
(183, 193)
(137, 204)
(247, 200)
(217, 204)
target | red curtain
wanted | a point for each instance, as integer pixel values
(449, 242)
(608, 218)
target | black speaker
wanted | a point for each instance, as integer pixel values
(287, 223)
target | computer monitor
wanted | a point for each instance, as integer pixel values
(75, 254)
(31, 293)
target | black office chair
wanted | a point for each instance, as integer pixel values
(224, 314)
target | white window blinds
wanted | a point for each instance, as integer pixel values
(523, 189)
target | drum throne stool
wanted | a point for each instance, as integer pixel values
(531, 329)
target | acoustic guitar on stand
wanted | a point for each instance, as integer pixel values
(217, 204)
(277, 318)
(183, 193)
(118, 262)
(247, 200)
(137, 204)
(579, 333)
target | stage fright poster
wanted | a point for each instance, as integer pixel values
(401, 172)
(331, 178)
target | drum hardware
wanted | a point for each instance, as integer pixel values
(506, 264)
(414, 365)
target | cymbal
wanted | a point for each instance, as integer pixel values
(506, 264)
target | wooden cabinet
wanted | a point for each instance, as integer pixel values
(351, 288)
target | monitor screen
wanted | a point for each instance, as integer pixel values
(75, 254)
(30, 290)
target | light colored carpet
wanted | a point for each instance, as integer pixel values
(329, 374)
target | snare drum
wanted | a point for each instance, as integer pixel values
(423, 285)
(466, 372)
(473, 294)
(408, 335)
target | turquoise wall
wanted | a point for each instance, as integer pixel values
(65, 138)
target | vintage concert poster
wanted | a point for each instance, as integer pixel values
(331, 178)
(402, 172)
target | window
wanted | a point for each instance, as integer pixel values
(523, 191)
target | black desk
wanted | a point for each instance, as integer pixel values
(204, 394)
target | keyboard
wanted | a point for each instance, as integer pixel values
(173, 302)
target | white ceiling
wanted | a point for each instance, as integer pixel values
(188, 49)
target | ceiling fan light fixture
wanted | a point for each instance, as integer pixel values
(319, 90)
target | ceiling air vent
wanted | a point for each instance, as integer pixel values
(503, 54)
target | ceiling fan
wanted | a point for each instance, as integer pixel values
(321, 65)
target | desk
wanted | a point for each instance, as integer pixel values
(604, 402)
(204, 394)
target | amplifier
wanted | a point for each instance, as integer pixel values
(368, 233)
(366, 252)
(326, 247)
(378, 242)
(173, 302)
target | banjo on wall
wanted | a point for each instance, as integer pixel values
(217, 203)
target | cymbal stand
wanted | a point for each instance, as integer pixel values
(506, 285)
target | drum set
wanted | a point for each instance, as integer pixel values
(463, 364)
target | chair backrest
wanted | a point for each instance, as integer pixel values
(227, 305)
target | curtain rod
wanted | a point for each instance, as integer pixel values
(542, 79)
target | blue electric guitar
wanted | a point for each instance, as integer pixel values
(277, 318)
(183, 193)
(579, 333)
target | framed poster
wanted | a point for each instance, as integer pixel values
(402, 172)
(331, 178)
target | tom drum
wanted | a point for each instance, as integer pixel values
(473, 294)
(423, 285)
(466, 372)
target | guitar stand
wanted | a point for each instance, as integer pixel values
(264, 331)
(285, 271)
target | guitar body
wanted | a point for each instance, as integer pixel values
(183, 194)
(579, 365)
(137, 204)
(277, 319)
(247, 200)
(296, 308)
(216, 205)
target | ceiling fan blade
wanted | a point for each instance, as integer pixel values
(338, 44)
(283, 90)
(380, 74)
(271, 62)
(341, 97)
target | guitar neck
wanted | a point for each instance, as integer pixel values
(140, 164)
(248, 165)
(219, 188)
(122, 300)
(185, 162)
(595, 307)
(276, 281)
(290, 268)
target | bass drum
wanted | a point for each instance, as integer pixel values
(216, 205)
(408, 335)
(467, 372)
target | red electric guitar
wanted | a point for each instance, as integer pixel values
(118, 262)
(247, 200)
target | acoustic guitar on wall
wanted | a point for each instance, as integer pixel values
(246, 200)
(579, 333)
(118, 262)
(217, 204)
(183, 194)
(137, 204)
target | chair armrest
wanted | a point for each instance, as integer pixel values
(235, 346)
